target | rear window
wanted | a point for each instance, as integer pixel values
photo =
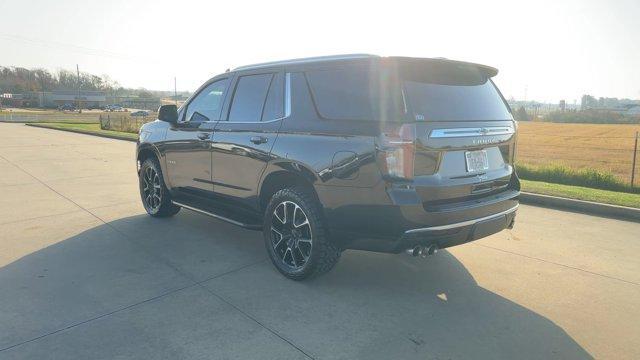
(451, 92)
(431, 91)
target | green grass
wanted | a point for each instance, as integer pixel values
(558, 174)
(89, 128)
(582, 193)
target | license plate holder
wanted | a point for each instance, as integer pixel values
(476, 160)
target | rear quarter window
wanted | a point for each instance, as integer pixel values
(344, 94)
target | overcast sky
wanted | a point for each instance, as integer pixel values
(548, 50)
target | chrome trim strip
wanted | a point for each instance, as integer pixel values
(287, 95)
(462, 224)
(467, 132)
(209, 214)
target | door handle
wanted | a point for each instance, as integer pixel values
(258, 139)
(204, 136)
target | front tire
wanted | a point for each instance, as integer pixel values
(153, 191)
(295, 235)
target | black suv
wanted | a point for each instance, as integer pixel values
(388, 154)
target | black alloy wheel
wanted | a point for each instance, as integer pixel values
(296, 236)
(153, 191)
(291, 234)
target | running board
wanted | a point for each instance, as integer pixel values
(220, 217)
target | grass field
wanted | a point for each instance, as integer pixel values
(606, 147)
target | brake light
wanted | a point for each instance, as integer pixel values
(397, 151)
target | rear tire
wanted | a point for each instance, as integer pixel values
(155, 196)
(295, 235)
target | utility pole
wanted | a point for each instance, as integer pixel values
(633, 166)
(78, 97)
(175, 90)
(42, 91)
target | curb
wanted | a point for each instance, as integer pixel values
(587, 207)
(109, 136)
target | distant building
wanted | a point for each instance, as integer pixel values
(84, 98)
(55, 98)
(14, 100)
(562, 105)
(136, 102)
(620, 106)
(588, 102)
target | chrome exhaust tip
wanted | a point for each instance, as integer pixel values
(422, 251)
(415, 251)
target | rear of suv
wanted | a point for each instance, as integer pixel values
(386, 154)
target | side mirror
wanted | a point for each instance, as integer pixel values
(168, 113)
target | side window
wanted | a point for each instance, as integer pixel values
(250, 97)
(274, 105)
(344, 94)
(207, 104)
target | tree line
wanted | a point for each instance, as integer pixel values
(590, 116)
(19, 80)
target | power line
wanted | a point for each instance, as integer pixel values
(70, 47)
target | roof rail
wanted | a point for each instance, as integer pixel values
(306, 60)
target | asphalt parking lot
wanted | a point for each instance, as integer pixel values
(84, 273)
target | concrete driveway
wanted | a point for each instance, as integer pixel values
(84, 273)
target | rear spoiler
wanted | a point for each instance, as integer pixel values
(489, 70)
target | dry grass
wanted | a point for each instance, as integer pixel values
(605, 147)
(86, 128)
(125, 122)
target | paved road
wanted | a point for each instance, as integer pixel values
(85, 274)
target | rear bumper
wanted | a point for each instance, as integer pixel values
(458, 233)
(399, 220)
(434, 229)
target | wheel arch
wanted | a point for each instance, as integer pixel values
(283, 176)
(146, 151)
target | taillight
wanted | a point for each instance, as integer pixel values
(397, 151)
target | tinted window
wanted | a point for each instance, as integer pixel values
(208, 103)
(274, 105)
(451, 92)
(249, 98)
(344, 93)
(433, 102)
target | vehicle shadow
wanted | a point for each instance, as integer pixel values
(441, 312)
(371, 305)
